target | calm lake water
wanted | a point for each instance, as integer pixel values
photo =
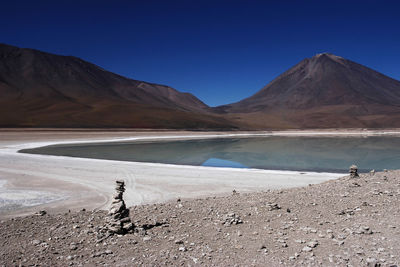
(327, 154)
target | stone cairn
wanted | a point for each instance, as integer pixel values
(353, 171)
(118, 221)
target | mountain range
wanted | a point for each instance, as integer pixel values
(40, 89)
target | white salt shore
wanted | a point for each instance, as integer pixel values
(12, 199)
(63, 183)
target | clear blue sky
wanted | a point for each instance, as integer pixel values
(221, 51)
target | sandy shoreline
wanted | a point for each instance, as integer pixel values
(88, 183)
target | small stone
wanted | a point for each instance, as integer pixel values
(118, 195)
(231, 219)
(183, 249)
(41, 213)
(372, 262)
(312, 244)
(146, 238)
(273, 206)
(36, 242)
(128, 227)
(306, 249)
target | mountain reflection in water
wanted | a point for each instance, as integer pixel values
(334, 154)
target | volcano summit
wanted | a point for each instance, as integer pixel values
(322, 92)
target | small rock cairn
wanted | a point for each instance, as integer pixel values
(353, 171)
(118, 221)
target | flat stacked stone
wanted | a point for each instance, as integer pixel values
(118, 221)
(353, 171)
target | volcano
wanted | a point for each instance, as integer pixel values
(40, 89)
(325, 91)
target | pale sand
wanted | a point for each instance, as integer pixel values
(88, 183)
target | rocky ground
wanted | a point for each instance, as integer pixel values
(345, 222)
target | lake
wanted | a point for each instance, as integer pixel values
(320, 154)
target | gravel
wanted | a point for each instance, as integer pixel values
(344, 222)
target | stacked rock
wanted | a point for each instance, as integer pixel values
(353, 171)
(118, 216)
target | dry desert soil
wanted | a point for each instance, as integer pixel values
(343, 222)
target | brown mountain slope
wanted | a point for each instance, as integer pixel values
(45, 90)
(320, 92)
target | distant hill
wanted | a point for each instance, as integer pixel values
(324, 91)
(39, 89)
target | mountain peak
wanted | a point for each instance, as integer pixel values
(323, 91)
(327, 55)
(324, 54)
(325, 82)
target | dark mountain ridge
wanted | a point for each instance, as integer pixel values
(39, 89)
(42, 89)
